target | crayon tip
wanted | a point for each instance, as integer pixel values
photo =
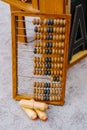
(45, 119)
(48, 107)
(35, 118)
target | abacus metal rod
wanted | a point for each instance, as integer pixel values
(19, 28)
(29, 77)
(30, 21)
(20, 35)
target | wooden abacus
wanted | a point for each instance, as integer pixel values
(50, 49)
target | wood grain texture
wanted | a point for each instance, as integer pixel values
(16, 68)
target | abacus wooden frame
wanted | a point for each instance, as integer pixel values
(14, 53)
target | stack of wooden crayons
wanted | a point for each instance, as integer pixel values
(34, 109)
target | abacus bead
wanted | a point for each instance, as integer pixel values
(56, 98)
(36, 29)
(35, 51)
(48, 85)
(45, 30)
(61, 21)
(53, 42)
(63, 37)
(45, 72)
(48, 21)
(47, 65)
(53, 97)
(40, 21)
(61, 59)
(57, 30)
(46, 59)
(60, 37)
(35, 65)
(47, 51)
(35, 44)
(34, 21)
(45, 85)
(44, 37)
(56, 85)
(51, 37)
(60, 85)
(50, 59)
(61, 65)
(56, 44)
(64, 22)
(38, 36)
(48, 37)
(38, 51)
(54, 29)
(63, 29)
(47, 44)
(42, 98)
(62, 51)
(59, 44)
(39, 29)
(58, 21)
(44, 44)
(49, 72)
(50, 30)
(45, 98)
(62, 45)
(35, 59)
(40, 84)
(42, 29)
(50, 98)
(37, 21)
(55, 21)
(61, 72)
(45, 21)
(54, 37)
(50, 51)
(57, 37)
(56, 92)
(54, 72)
(45, 91)
(40, 72)
(50, 44)
(39, 97)
(54, 78)
(35, 36)
(60, 30)
(51, 85)
(57, 79)
(51, 21)
(53, 51)
(55, 65)
(51, 91)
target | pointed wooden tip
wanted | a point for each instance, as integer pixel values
(45, 119)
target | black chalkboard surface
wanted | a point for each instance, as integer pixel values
(74, 3)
